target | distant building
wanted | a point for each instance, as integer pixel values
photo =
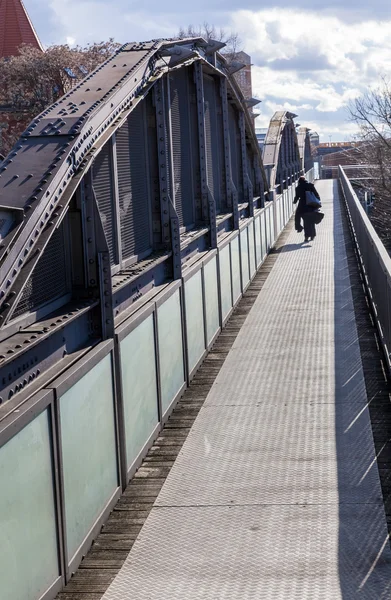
(243, 78)
(261, 133)
(314, 139)
(15, 29)
(332, 147)
(344, 156)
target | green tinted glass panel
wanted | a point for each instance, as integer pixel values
(225, 281)
(211, 299)
(28, 539)
(139, 387)
(172, 375)
(235, 264)
(194, 319)
(244, 257)
(251, 245)
(89, 451)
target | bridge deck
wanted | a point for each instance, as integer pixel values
(276, 493)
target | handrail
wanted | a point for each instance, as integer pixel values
(375, 263)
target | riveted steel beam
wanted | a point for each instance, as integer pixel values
(247, 185)
(232, 197)
(163, 159)
(201, 136)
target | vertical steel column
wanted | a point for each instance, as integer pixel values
(88, 228)
(169, 217)
(247, 186)
(117, 220)
(232, 197)
(208, 204)
(259, 187)
(163, 159)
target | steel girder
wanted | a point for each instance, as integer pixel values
(281, 150)
(306, 158)
(40, 175)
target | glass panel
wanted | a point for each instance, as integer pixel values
(28, 538)
(235, 264)
(251, 244)
(139, 387)
(244, 257)
(194, 319)
(211, 298)
(225, 281)
(172, 374)
(89, 451)
(258, 240)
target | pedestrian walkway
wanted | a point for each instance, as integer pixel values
(275, 494)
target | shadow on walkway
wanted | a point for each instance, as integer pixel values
(364, 556)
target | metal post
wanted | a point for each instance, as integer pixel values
(247, 186)
(232, 195)
(208, 203)
(163, 159)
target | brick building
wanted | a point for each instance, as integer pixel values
(15, 29)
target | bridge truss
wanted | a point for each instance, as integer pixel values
(134, 213)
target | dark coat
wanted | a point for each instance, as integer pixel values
(301, 189)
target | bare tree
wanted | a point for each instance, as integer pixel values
(372, 113)
(33, 80)
(211, 32)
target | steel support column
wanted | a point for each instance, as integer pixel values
(208, 204)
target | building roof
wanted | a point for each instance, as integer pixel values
(15, 28)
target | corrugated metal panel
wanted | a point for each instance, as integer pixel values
(48, 281)
(134, 200)
(180, 124)
(234, 139)
(104, 192)
(212, 157)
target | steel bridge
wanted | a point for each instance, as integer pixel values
(138, 217)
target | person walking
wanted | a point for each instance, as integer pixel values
(304, 211)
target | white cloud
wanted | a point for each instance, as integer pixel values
(313, 64)
(308, 62)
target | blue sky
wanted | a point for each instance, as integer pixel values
(309, 61)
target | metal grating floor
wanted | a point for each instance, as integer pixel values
(275, 494)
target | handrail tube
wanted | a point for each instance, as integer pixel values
(375, 263)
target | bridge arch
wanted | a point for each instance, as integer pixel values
(158, 140)
(306, 158)
(281, 151)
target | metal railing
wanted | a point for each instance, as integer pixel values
(375, 262)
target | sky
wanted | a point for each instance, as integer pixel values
(313, 62)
